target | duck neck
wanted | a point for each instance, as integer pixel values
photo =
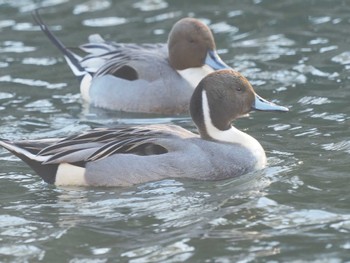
(194, 75)
(209, 131)
(230, 134)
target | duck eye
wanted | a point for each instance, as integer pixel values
(239, 88)
(191, 40)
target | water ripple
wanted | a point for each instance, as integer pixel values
(339, 117)
(28, 6)
(320, 19)
(25, 252)
(43, 105)
(305, 217)
(6, 95)
(32, 82)
(104, 21)
(150, 5)
(7, 23)
(285, 77)
(328, 48)
(308, 69)
(162, 17)
(343, 58)
(311, 132)
(14, 47)
(39, 61)
(311, 100)
(338, 146)
(178, 252)
(91, 6)
(9, 221)
(223, 27)
(269, 41)
(24, 27)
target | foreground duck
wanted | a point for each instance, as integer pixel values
(149, 78)
(132, 155)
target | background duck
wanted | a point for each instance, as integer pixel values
(148, 78)
(125, 156)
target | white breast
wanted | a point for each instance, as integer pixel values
(195, 75)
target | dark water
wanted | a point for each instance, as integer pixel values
(296, 52)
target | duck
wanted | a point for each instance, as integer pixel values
(130, 155)
(143, 78)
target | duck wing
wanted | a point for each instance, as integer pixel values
(100, 143)
(103, 57)
(122, 60)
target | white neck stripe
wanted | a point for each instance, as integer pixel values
(232, 135)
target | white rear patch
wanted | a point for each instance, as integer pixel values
(232, 135)
(86, 77)
(68, 174)
(85, 87)
(195, 75)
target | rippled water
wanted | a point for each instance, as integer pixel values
(297, 210)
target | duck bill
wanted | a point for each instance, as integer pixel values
(214, 61)
(261, 104)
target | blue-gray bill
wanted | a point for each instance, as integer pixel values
(264, 105)
(214, 61)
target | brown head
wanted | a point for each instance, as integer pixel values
(225, 95)
(188, 43)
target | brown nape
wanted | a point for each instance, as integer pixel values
(189, 42)
(126, 72)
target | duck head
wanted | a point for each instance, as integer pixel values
(191, 44)
(223, 96)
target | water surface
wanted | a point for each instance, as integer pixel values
(296, 53)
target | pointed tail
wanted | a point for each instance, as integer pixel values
(72, 59)
(27, 152)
